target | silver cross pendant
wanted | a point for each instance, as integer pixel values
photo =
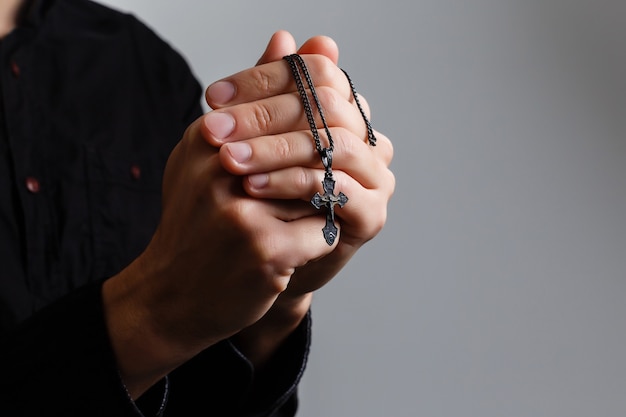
(329, 200)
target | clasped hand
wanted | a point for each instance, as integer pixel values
(239, 240)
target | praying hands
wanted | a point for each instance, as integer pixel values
(239, 249)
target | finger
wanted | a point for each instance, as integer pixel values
(290, 210)
(321, 45)
(363, 216)
(285, 244)
(279, 245)
(384, 147)
(301, 241)
(281, 43)
(280, 114)
(270, 153)
(297, 183)
(274, 78)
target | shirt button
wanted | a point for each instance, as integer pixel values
(15, 69)
(32, 185)
(135, 172)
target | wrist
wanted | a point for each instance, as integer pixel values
(144, 351)
(288, 310)
(261, 340)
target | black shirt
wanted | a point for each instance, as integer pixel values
(92, 102)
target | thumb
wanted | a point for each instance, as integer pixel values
(282, 43)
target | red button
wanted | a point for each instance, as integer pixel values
(135, 172)
(32, 185)
(15, 69)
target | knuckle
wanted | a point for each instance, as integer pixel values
(388, 147)
(379, 223)
(301, 179)
(262, 81)
(235, 213)
(374, 223)
(273, 265)
(345, 143)
(329, 98)
(262, 117)
(385, 147)
(325, 69)
(329, 74)
(282, 147)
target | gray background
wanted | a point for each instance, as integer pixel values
(498, 285)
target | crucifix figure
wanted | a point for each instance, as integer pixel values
(328, 200)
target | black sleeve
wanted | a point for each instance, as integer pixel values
(59, 363)
(221, 381)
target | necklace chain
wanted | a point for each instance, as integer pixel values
(299, 69)
(371, 138)
(328, 199)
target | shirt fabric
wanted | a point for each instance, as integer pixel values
(91, 104)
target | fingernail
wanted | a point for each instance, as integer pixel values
(221, 125)
(258, 180)
(239, 151)
(221, 92)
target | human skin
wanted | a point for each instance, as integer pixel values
(239, 249)
(8, 16)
